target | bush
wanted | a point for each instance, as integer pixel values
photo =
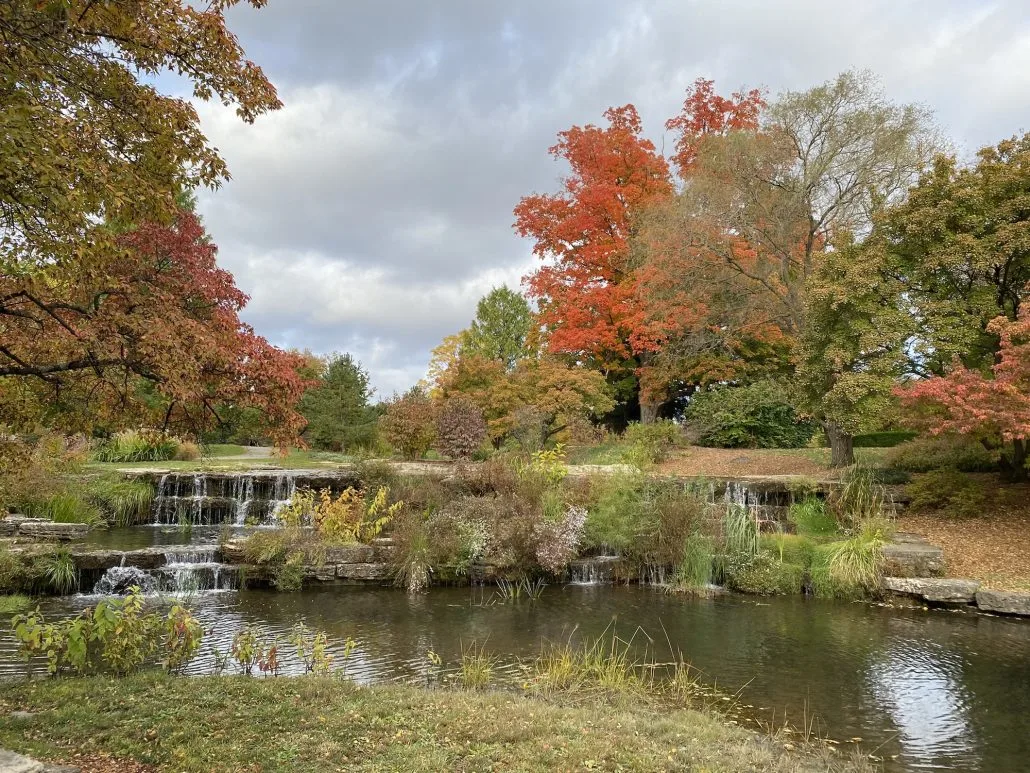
(119, 635)
(882, 439)
(460, 428)
(650, 443)
(857, 497)
(849, 569)
(620, 514)
(811, 518)
(756, 416)
(409, 424)
(142, 445)
(947, 491)
(187, 451)
(935, 452)
(764, 575)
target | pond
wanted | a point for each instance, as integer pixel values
(924, 690)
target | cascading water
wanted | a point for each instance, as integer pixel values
(243, 493)
(595, 570)
(118, 579)
(282, 493)
(191, 569)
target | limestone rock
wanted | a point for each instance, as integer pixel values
(51, 530)
(1005, 602)
(349, 554)
(910, 555)
(324, 573)
(15, 763)
(934, 590)
(364, 571)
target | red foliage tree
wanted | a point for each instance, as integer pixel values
(588, 293)
(968, 401)
(149, 332)
(705, 113)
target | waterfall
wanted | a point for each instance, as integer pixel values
(282, 493)
(243, 493)
(192, 569)
(118, 579)
(596, 570)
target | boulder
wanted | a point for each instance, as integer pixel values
(1004, 602)
(49, 530)
(365, 572)
(8, 528)
(15, 763)
(934, 590)
(910, 555)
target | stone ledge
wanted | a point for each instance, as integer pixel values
(910, 555)
(934, 590)
(1004, 602)
(15, 763)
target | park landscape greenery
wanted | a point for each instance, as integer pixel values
(804, 270)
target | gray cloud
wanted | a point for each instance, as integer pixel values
(371, 213)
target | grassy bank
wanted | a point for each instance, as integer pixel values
(320, 724)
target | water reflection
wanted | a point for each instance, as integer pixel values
(933, 689)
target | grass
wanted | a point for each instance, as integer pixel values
(10, 605)
(215, 450)
(321, 724)
(695, 569)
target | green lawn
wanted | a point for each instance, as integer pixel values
(324, 724)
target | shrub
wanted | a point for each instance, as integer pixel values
(934, 452)
(756, 416)
(762, 574)
(124, 502)
(620, 514)
(460, 428)
(58, 571)
(858, 497)
(117, 635)
(882, 439)
(557, 541)
(789, 548)
(849, 569)
(650, 443)
(695, 566)
(409, 424)
(740, 531)
(348, 517)
(947, 491)
(67, 507)
(811, 518)
(413, 554)
(142, 445)
(187, 451)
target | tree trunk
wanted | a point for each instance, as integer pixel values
(842, 450)
(1013, 464)
(649, 411)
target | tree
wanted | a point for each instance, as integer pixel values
(460, 429)
(588, 291)
(959, 247)
(409, 423)
(967, 400)
(85, 138)
(764, 205)
(851, 351)
(151, 333)
(499, 331)
(337, 407)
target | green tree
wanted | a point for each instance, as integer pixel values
(499, 331)
(337, 409)
(961, 246)
(851, 351)
(86, 138)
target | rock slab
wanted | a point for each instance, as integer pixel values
(15, 763)
(934, 590)
(910, 555)
(1004, 602)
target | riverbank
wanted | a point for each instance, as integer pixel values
(322, 724)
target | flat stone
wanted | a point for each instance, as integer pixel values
(324, 573)
(1004, 602)
(911, 557)
(364, 571)
(21, 716)
(15, 763)
(8, 528)
(61, 769)
(51, 530)
(934, 590)
(145, 558)
(349, 554)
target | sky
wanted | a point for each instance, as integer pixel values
(372, 212)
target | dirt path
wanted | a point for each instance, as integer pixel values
(747, 462)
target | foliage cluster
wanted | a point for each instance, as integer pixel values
(648, 444)
(351, 516)
(460, 428)
(409, 423)
(947, 491)
(947, 451)
(137, 445)
(758, 415)
(118, 635)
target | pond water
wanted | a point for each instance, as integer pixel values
(924, 690)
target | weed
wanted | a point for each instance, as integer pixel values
(811, 518)
(509, 591)
(476, 669)
(58, 571)
(695, 568)
(740, 530)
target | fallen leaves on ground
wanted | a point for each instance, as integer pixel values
(744, 462)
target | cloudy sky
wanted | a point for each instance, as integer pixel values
(371, 213)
